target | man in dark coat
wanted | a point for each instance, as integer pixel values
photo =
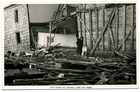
(79, 45)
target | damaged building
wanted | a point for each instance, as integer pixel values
(41, 44)
(24, 22)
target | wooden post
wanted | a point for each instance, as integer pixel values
(85, 40)
(123, 36)
(112, 37)
(80, 24)
(34, 42)
(97, 30)
(90, 26)
(132, 32)
(103, 47)
(50, 32)
(109, 41)
(116, 29)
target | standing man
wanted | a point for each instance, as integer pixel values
(79, 45)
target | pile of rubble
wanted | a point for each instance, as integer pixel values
(54, 67)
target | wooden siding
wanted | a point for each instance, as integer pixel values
(122, 23)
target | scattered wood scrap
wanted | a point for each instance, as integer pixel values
(67, 68)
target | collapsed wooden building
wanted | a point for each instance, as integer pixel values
(106, 27)
(109, 32)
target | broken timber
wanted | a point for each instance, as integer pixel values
(65, 70)
(91, 64)
(122, 55)
(53, 79)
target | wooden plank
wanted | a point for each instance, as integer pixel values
(132, 32)
(75, 62)
(97, 29)
(116, 29)
(91, 64)
(103, 47)
(103, 31)
(124, 29)
(65, 70)
(90, 26)
(80, 24)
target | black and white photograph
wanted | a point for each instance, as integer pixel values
(70, 45)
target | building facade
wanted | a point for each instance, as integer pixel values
(16, 28)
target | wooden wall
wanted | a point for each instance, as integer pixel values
(123, 21)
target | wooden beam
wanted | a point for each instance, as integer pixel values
(124, 28)
(81, 62)
(121, 54)
(85, 40)
(65, 70)
(127, 36)
(116, 29)
(54, 15)
(82, 10)
(97, 29)
(103, 47)
(109, 41)
(103, 31)
(80, 24)
(57, 15)
(112, 37)
(91, 64)
(32, 37)
(90, 26)
(50, 33)
(132, 32)
(74, 76)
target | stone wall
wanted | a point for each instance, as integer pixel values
(11, 28)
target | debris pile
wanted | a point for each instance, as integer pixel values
(54, 67)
